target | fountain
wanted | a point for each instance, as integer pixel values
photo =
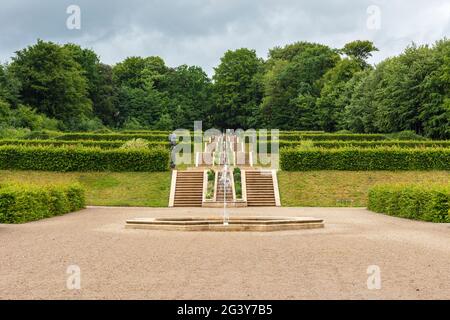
(226, 223)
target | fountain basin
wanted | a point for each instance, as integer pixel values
(239, 223)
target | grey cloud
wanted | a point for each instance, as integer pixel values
(199, 31)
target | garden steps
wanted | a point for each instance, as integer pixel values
(188, 189)
(260, 188)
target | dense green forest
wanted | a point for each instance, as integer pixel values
(301, 86)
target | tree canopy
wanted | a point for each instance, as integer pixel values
(301, 86)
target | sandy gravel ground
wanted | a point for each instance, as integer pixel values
(329, 263)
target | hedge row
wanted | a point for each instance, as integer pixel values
(412, 201)
(283, 143)
(112, 136)
(164, 137)
(48, 158)
(22, 203)
(352, 158)
(83, 143)
(361, 144)
(331, 136)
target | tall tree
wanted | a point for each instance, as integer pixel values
(359, 50)
(292, 84)
(138, 81)
(236, 90)
(190, 92)
(335, 94)
(99, 83)
(9, 86)
(52, 82)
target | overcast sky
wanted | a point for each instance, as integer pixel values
(198, 32)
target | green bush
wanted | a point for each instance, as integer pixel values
(351, 158)
(22, 203)
(47, 158)
(13, 133)
(428, 203)
(135, 144)
(237, 182)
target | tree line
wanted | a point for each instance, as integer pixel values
(301, 86)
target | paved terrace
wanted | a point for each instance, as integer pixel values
(329, 263)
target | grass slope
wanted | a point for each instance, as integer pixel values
(149, 189)
(345, 188)
(308, 189)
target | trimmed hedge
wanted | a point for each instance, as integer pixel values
(411, 201)
(112, 136)
(297, 159)
(363, 144)
(145, 132)
(23, 203)
(82, 143)
(47, 158)
(297, 137)
(283, 143)
(331, 136)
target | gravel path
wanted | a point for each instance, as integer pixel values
(329, 263)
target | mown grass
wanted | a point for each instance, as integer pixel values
(345, 188)
(142, 189)
(307, 189)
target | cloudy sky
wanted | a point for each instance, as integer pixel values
(198, 32)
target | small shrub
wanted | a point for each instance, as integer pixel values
(237, 182)
(210, 186)
(135, 144)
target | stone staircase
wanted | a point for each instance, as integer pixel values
(189, 189)
(260, 189)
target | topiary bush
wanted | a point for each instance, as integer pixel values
(427, 203)
(23, 203)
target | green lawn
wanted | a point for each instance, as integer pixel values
(344, 188)
(146, 189)
(308, 189)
